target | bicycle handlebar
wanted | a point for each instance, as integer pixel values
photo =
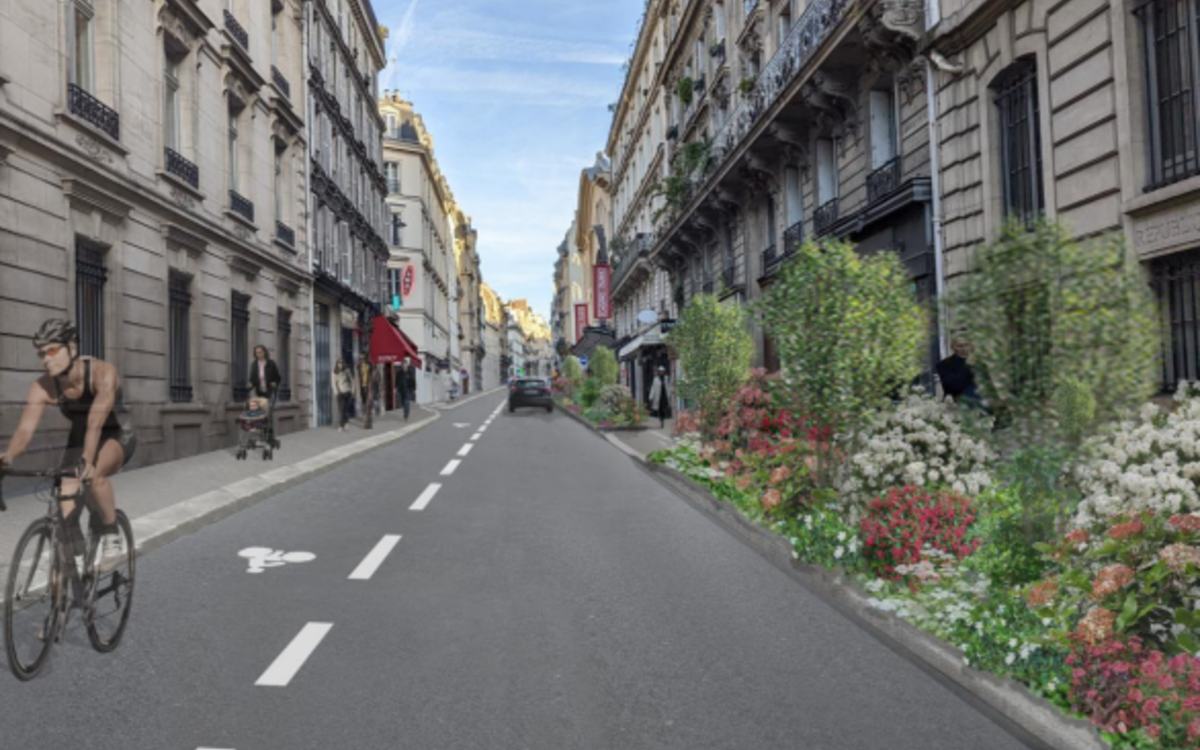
(31, 474)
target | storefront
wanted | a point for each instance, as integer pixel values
(389, 347)
(641, 356)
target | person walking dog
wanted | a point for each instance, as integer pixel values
(660, 397)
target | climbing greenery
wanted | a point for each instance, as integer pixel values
(674, 189)
(715, 352)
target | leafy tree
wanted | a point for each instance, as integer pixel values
(572, 370)
(1066, 339)
(849, 332)
(715, 352)
(603, 365)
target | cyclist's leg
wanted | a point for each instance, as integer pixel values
(109, 461)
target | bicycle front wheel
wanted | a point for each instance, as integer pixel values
(111, 591)
(31, 601)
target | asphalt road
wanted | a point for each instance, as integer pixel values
(551, 594)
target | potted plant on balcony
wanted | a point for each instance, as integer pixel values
(684, 90)
(718, 49)
(746, 85)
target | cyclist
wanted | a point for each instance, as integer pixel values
(101, 439)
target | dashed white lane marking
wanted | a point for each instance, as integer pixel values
(375, 558)
(483, 429)
(425, 497)
(465, 449)
(211, 748)
(477, 435)
(285, 667)
(450, 467)
(461, 425)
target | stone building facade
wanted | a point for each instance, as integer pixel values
(781, 122)
(422, 239)
(153, 159)
(348, 190)
(494, 338)
(1087, 112)
(469, 316)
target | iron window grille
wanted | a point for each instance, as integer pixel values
(90, 278)
(1176, 282)
(283, 354)
(236, 31)
(281, 82)
(1171, 44)
(285, 234)
(1020, 143)
(239, 342)
(241, 206)
(180, 337)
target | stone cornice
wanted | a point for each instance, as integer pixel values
(86, 197)
(183, 239)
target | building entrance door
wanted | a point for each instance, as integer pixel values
(323, 367)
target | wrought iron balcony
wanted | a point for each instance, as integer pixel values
(181, 394)
(793, 238)
(883, 181)
(281, 83)
(718, 50)
(825, 216)
(673, 132)
(241, 206)
(285, 234)
(182, 168)
(236, 31)
(769, 259)
(93, 111)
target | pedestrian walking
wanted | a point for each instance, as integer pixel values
(406, 386)
(364, 382)
(660, 397)
(343, 392)
(264, 374)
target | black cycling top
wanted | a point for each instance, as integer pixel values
(77, 410)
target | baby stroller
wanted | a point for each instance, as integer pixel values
(256, 429)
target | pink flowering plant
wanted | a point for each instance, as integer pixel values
(1137, 577)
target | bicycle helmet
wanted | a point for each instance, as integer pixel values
(55, 331)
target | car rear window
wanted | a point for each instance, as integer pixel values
(531, 381)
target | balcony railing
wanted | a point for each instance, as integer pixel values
(883, 181)
(236, 31)
(182, 168)
(281, 83)
(673, 132)
(769, 259)
(285, 234)
(93, 111)
(793, 238)
(803, 39)
(241, 206)
(728, 276)
(825, 216)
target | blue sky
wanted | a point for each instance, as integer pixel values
(515, 94)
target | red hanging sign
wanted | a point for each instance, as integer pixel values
(406, 281)
(601, 281)
(581, 320)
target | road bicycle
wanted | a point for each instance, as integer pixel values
(55, 570)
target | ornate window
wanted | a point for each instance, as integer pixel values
(1171, 42)
(1016, 96)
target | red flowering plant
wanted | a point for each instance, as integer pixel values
(897, 527)
(1141, 570)
(1137, 695)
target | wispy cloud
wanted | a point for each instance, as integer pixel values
(514, 86)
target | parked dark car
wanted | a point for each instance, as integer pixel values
(529, 392)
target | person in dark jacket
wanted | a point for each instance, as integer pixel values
(264, 374)
(406, 386)
(955, 373)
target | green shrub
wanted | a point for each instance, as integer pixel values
(572, 370)
(604, 366)
(715, 352)
(1006, 555)
(589, 393)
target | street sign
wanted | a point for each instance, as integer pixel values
(583, 360)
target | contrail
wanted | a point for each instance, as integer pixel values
(399, 41)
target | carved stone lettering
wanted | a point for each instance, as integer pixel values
(1179, 226)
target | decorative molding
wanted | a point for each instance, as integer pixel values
(182, 198)
(243, 266)
(4, 152)
(904, 17)
(287, 286)
(911, 80)
(178, 238)
(93, 148)
(88, 198)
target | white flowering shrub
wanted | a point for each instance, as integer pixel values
(921, 442)
(1149, 463)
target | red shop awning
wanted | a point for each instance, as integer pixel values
(389, 345)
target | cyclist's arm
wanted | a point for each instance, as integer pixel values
(105, 383)
(35, 404)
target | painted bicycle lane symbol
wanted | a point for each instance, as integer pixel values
(262, 558)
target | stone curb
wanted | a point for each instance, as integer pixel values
(452, 405)
(606, 431)
(1033, 720)
(157, 529)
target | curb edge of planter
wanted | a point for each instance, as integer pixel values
(1008, 698)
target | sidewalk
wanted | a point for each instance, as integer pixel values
(166, 501)
(644, 442)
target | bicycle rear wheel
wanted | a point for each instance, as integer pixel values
(111, 591)
(31, 602)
